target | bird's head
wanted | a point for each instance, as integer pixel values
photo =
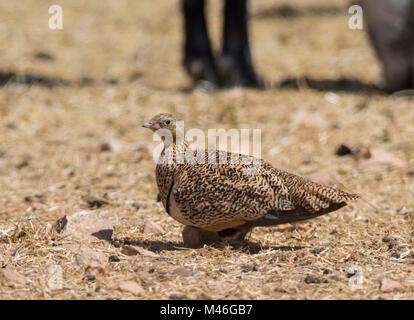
(164, 121)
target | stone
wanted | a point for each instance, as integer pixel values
(88, 255)
(311, 279)
(389, 285)
(182, 272)
(131, 287)
(111, 146)
(134, 250)
(326, 177)
(12, 276)
(95, 269)
(86, 225)
(382, 156)
(344, 150)
(153, 228)
(307, 119)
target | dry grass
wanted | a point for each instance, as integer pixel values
(50, 139)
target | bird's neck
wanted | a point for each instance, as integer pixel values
(175, 151)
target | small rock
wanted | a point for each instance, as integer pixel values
(89, 277)
(139, 205)
(292, 226)
(129, 250)
(95, 269)
(197, 238)
(23, 163)
(389, 285)
(182, 272)
(88, 255)
(311, 279)
(93, 201)
(114, 259)
(86, 224)
(134, 250)
(153, 228)
(302, 253)
(326, 177)
(374, 160)
(386, 239)
(104, 147)
(318, 250)
(111, 146)
(391, 245)
(344, 150)
(131, 287)
(381, 156)
(248, 268)
(327, 271)
(12, 276)
(145, 252)
(43, 55)
(307, 119)
(284, 227)
(332, 97)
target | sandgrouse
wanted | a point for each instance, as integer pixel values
(224, 198)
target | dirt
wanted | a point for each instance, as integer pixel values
(70, 129)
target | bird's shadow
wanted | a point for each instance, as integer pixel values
(286, 11)
(346, 85)
(250, 247)
(343, 85)
(30, 79)
(152, 245)
(157, 246)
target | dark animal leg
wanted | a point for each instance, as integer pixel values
(391, 29)
(411, 40)
(198, 59)
(235, 64)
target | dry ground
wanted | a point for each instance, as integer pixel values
(116, 64)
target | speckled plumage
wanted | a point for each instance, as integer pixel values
(222, 196)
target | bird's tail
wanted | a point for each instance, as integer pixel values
(315, 197)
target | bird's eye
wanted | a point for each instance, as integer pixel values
(167, 122)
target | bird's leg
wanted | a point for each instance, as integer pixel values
(235, 234)
(197, 238)
(235, 65)
(198, 56)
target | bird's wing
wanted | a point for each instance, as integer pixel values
(219, 196)
(223, 194)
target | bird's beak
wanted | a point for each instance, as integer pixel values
(147, 125)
